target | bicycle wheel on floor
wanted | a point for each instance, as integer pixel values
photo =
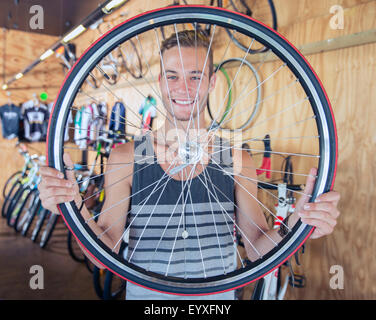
(74, 250)
(31, 216)
(20, 202)
(42, 214)
(10, 182)
(47, 232)
(183, 227)
(261, 10)
(27, 211)
(10, 196)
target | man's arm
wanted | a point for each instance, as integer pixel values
(118, 180)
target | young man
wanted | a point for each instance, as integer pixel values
(185, 165)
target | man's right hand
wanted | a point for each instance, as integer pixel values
(54, 189)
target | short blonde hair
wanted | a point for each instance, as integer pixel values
(190, 39)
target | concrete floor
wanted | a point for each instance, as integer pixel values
(63, 278)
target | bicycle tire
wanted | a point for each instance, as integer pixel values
(295, 62)
(177, 3)
(71, 251)
(229, 99)
(109, 290)
(89, 265)
(98, 276)
(8, 199)
(9, 181)
(26, 227)
(47, 233)
(256, 104)
(18, 203)
(110, 293)
(139, 72)
(27, 210)
(258, 291)
(274, 26)
(39, 224)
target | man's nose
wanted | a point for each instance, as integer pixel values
(184, 87)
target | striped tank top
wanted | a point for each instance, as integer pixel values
(181, 228)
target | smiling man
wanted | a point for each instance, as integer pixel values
(179, 199)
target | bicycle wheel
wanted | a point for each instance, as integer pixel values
(73, 249)
(28, 209)
(204, 28)
(31, 216)
(114, 287)
(10, 182)
(47, 232)
(39, 224)
(98, 281)
(258, 291)
(263, 11)
(130, 60)
(229, 98)
(107, 285)
(295, 113)
(8, 199)
(17, 205)
(238, 92)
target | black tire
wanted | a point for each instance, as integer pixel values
(98, 281)
(17, 205)
(47, 232)
(28, 209)
(138, 73)
(89, 265)
(274, 26)
(33, 212)
(71, 242)
(8, 199)
(295, 62)
(39, 224)
(114, 287)
(258, 291)
(10, 179)
(249, 118)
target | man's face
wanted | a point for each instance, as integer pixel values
(181, 84)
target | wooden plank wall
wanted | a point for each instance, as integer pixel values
(348, 76)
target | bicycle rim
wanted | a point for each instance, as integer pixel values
(322, 123)
(254, 102)
(269, 19)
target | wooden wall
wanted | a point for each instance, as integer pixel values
(348, 76)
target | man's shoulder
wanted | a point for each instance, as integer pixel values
(123, 151)
(120, 163)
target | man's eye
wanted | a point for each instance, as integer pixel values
(171, 77)
(195, 78)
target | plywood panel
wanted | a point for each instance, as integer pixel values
(345, 75)
(19, 49)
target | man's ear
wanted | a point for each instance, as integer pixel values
(212, 82)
